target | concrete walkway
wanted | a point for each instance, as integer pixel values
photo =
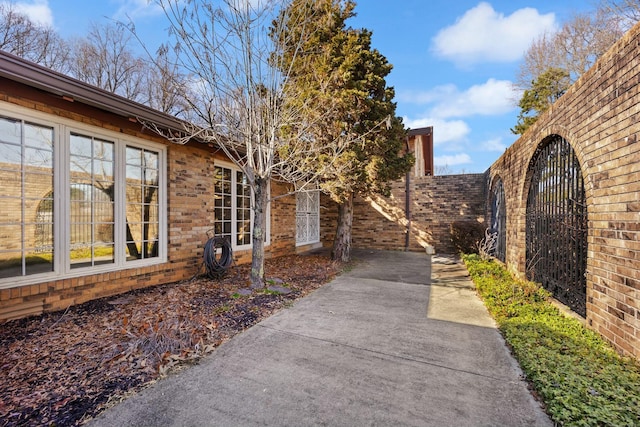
(400, 340)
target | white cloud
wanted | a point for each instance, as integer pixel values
(494, 97)
(494, 144)
(484, 35)
(452, 160)
(136, 9)
(436, 94)
(444, 131)
(38, 11)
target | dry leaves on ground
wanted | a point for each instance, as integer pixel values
(62, 368)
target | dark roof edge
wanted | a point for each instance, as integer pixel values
(20, 70)
(421, 131)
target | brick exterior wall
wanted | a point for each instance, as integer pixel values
(600, 117)
(435, 202)
(190, 215)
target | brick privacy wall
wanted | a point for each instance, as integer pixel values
(600, 117)
(436, 201)
(190, 215)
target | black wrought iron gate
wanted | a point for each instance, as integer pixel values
(499, 221)
(556, 228)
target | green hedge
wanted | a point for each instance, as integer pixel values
(579, 377)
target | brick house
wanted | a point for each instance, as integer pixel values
(95, 204)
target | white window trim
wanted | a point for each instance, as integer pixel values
(62, 129)
(309, 242)
(234, 246)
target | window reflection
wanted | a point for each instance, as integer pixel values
(26, 173)
(92, 189)
(142, 211)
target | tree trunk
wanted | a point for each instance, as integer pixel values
(342, 242)
(258, 233)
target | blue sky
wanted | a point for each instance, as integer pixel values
(454, 60)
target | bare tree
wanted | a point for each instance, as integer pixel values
(165, 87)
(574, 48)
(37, 43)
(239, 97)
(105, 59)
(627, 11)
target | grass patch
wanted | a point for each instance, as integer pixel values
(580, 378)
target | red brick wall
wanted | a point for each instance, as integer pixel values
(190, 215)
(600, 117)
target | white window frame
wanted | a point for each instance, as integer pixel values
(308, 216)
(234, 168)
(62, 129)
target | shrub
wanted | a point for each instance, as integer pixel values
(466, 235)
(580, 378)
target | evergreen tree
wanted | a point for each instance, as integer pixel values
(337, 67)
(545, 90)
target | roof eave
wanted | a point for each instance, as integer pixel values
(20, 70)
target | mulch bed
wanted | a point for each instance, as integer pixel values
(64, 368)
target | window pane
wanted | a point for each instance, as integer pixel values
(38, 160)
(217, 228)
(135, 230)
(10, 130)
(134, 219)
(103, 150)
(11, 188)
(103, 254)
(80, 256)
(11, 236)
(134, 156)
(142, 202)
(151, 213)
(26, 195)
(10, 262)
(103, 170)
(92, 201)
(35, 184)
(80, 167)
(80, 234)
(151, 177)
(39, 262)
(151, 160)
(104, 232)
(80, 146)
(38, 137)
(222, 201)
(10, 155)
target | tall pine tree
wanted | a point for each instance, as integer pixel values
(337, 67)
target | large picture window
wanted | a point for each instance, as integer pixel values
(76, 199)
